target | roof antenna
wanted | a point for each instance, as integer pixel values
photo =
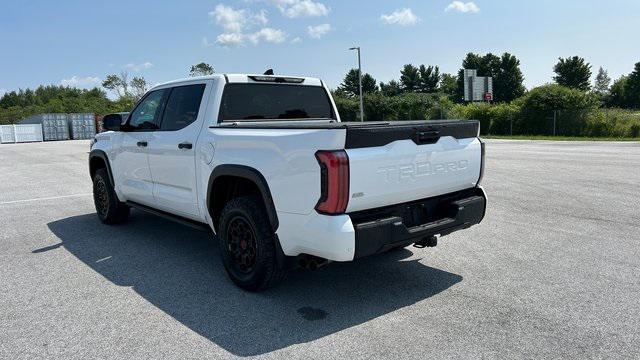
(268, 72)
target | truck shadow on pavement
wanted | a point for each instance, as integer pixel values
(178, 270)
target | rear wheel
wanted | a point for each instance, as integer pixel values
(109, 209)
(248, 245)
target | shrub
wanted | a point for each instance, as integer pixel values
(494, 119)
(613, 123)
(538, 105)
(502, 116)
(348, 108)
(414, 106)
(442, 109)
(378, 107)
(475, 111)
(576, 113)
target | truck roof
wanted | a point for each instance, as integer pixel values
(243, 78)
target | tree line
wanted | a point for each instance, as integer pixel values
(571, 105)
(420, 92)
(508, 80)
(16, 105)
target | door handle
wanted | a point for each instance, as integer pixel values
(185, 145)
(142, 144)
(427, 137)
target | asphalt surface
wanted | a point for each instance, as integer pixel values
(552, 272)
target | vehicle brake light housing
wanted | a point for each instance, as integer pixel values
(334, 182)
(276, 79)
(482, 161)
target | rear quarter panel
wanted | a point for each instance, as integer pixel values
(285, 157)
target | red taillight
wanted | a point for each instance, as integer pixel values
(334, 182)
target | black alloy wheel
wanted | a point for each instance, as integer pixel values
(242, 244)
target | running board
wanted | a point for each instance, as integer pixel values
(163, 214)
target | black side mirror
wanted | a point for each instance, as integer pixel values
(113, 122)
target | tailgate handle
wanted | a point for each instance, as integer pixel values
(427, 137)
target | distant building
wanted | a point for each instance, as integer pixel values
(477, 88)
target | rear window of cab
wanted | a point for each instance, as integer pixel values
(246, 102)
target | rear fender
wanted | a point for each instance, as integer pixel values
(250, 174)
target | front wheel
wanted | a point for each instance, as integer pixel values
(248, 245)
(109, 209)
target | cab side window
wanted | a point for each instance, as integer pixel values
(146, 116)
(182, 107)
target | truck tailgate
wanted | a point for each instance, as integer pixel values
(403, 162)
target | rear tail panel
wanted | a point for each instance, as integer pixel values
(411, 164)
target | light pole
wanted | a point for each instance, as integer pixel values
(359, 82)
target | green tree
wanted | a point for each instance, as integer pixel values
(429, 78)
(350, 84)
(392, 88)
(139, 87)
(617, 94)
(508, 80)
(17, 105)
(601, 85)
(117, 83)
(449, 85)
(573, 72)
(632, 88)
(410, 78)
(201, 69)
(9, 99)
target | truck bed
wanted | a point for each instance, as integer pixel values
(390, 162)
(376, 133)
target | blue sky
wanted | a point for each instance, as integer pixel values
(80, 42)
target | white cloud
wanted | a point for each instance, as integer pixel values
(77, 81)
(138, 67)
(301, 8)
(261, 17)
(319, 31)
(230, 19)
(237, 25)
(230, 39)
(2, 92)
(268, 35)
(402, 17)
(469, 7)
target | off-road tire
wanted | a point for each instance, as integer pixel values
(246, 218)
(109, 209)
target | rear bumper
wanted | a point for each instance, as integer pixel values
(378, 230)
(357, 234)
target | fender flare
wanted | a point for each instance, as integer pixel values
(102, 155)
(252, 175)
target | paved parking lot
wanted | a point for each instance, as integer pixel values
(553, 272)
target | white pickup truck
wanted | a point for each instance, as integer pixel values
(265, 163)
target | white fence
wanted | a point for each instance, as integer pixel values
(20, 133)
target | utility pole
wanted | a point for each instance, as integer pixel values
(360, 82)
(511, 125)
